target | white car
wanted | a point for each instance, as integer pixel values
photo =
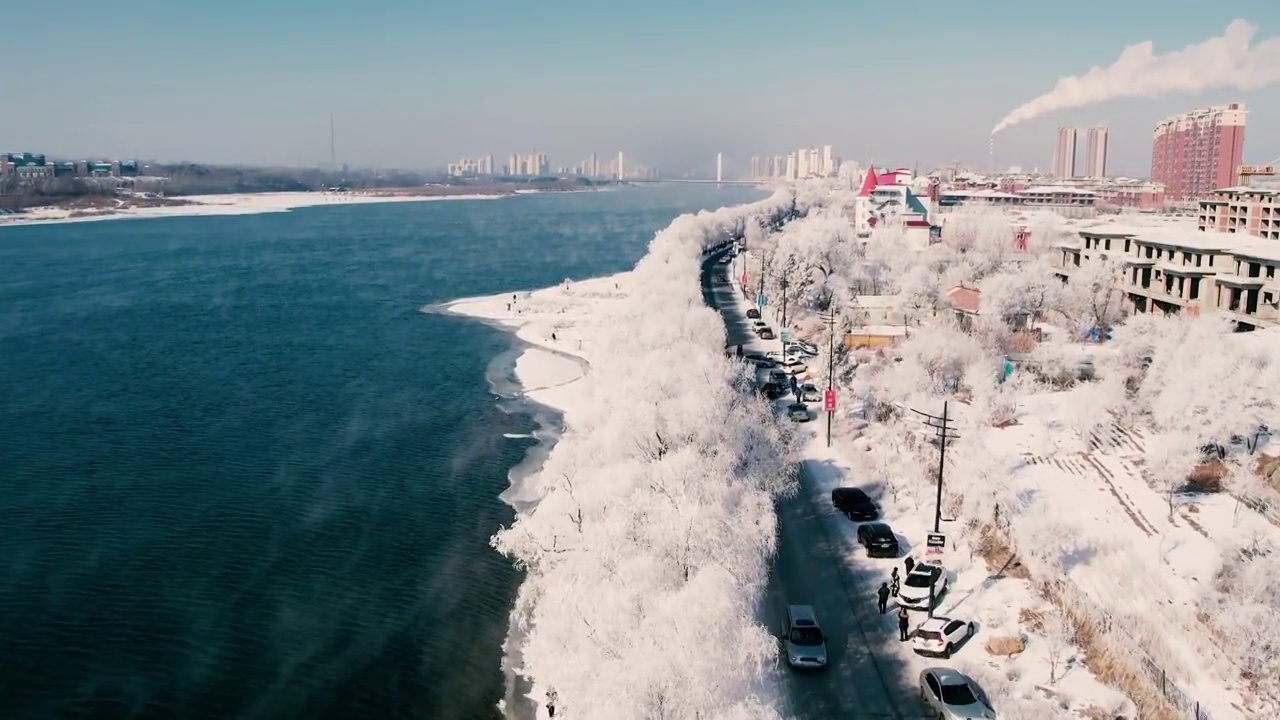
(804, 642)
(799, 347)
(794, 366)
(924, 581)
(810, 393)
(940, 636)
(951, 695)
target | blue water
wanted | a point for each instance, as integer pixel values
(243, 476)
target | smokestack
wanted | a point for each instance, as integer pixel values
(991, 155)
(1223, 62)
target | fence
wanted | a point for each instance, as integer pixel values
(1079, 600)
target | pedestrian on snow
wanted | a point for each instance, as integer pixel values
(882, 595)
(739, 351)
(551, 703)
(904, 623)
(894, 584)
(910, 563)
(553, 336)
(508, 307)
(513, 298)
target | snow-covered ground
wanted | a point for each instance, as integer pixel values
(231, 204)
(646, 534)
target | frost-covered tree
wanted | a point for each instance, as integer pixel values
(655, 524)
(1094, 296)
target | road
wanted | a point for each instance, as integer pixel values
(864, 678)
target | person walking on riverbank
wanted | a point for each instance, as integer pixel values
(904, 624)
(882, 597)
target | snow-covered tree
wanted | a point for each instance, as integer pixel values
(1094, 296)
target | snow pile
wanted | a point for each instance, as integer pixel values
(648, 550)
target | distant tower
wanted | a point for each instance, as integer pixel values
(1096, 152)
(720, 167)
(621, 168)
(1064, 153)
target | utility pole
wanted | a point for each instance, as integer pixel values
(830, 318)
(944, 433)
(784, 284)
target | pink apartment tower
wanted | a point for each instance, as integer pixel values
(1197, 152)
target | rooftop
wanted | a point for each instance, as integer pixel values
(1169, 236)
(1268, 250)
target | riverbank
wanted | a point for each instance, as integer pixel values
(123, 208)
(650, 522)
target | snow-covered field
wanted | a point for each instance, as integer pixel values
(232, 204)
(647, 533)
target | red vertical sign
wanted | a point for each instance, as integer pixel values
(829, 401)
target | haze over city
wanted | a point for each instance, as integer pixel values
(670, 84)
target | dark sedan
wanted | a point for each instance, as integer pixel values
(879, 540)
(854, 504)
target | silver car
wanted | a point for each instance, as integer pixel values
(952, 695)
(805, 645)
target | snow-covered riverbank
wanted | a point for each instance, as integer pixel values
(648, 529)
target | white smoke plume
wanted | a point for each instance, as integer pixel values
(1226, 61)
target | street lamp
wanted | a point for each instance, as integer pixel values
(783, 282)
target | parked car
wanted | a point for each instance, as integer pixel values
(753, 314)
(879, 540)
(810, 393)
(774, 391)
(854, 504)
(800, 347)
(804, 642)
(780, 377)
(798, 412)
(794, 366)
(952, 695)
(766, 334)
(925, 580)
(940, 636)
(761, 362)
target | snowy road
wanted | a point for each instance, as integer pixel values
(864, 679)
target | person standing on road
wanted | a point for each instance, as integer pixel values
(882, 595)
(904, 623)
(894, 584)
(909, 563)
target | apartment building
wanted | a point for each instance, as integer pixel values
(1064, 153)
(1195, 152)
(1243, 210)
(1177, 268)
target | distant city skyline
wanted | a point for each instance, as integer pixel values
(669, 84)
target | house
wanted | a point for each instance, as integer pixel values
(875, 336)
(1248, 289)
(876, 310)
(1172, 268)
(965, 302)
(887, 199)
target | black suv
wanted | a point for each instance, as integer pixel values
(854, 504)
(879, 540)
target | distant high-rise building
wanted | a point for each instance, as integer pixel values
(720, 167)
(828, 161)
(1064, 153)
(792, 169)
(755, 167)
(621, 168)
(1095, 160)
(1200, 151)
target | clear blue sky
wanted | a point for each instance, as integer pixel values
(416, 83)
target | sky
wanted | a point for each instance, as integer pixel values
(419, 83)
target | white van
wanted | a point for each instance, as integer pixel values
(804, 642)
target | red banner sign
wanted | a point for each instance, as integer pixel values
(829, 401)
